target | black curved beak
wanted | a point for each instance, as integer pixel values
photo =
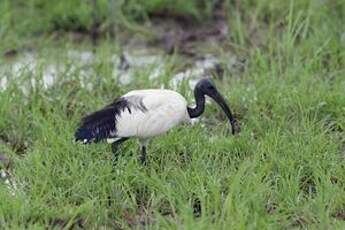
(217, 97)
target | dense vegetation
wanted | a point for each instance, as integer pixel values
(284, 170)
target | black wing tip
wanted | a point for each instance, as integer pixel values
(101, 124)
(83, 135)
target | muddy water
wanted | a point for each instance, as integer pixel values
(125, 67)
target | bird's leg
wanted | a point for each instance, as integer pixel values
(143, 146)
(143, 155)
(115, 146)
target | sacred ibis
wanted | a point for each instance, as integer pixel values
(144, 114)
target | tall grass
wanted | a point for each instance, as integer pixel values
(284, 171)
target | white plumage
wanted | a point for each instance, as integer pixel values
(164, 110)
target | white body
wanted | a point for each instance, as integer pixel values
(164, 110)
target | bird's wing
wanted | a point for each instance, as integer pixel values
(163, 110)
(137, 113)
(102, 123)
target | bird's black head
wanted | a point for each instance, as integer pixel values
(206, 87)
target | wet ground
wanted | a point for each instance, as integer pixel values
(125, 67)
(202, 45)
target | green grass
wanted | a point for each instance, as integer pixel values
(22, 21)
(284, 171)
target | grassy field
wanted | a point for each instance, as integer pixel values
(285, 170)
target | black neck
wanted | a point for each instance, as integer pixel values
(200, 104)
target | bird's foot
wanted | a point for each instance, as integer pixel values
(142, 160)
(143, 145)
(143, 155)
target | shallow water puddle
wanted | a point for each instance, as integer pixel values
(200, 69)
(25, 66)
(126, 68)
(128, 65)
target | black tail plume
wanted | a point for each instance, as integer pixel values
(101, 124)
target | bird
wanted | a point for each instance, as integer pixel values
(146, 113)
